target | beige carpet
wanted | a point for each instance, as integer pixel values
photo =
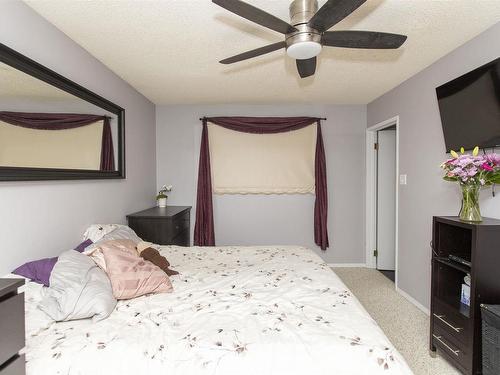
(404, 324)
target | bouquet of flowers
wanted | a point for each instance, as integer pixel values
(472, 171)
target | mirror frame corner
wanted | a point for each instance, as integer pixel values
(25, 64)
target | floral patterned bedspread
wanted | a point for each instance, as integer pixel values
(234, 311)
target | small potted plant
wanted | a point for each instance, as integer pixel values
(162, 196)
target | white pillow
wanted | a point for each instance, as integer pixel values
(122, 232)
(78, 290)
(97, 231)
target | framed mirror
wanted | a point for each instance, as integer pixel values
(51, 128)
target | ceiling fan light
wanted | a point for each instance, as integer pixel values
(304, 50)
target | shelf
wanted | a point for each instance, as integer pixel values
(455, 305)
(456, 265)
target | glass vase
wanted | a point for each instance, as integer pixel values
(470, 203)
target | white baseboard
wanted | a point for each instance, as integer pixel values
(337, 265)
(414, 301)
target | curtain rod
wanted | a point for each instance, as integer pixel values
(319, 118)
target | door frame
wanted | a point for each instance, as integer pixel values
(371, 195)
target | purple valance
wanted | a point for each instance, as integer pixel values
(63, 121)
(204, 234)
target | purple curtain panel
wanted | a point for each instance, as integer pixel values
(204, 234)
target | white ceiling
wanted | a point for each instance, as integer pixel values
(169, 49)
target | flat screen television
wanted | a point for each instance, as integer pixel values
(470, 108)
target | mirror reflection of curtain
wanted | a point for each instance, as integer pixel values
(56, 140)
(78, 148)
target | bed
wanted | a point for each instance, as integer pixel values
(234, 310)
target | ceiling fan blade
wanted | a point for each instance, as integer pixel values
(256, 15)
(254, 53)
(362, 39)
(307, 67)
(332, 12)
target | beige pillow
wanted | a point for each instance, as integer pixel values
(121, 232)
(130, 275)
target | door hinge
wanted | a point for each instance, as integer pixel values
(375, 253)
(375, 146)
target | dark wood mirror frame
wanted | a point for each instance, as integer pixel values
(16, 60)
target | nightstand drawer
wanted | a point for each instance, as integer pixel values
(11, 326)
(455, 351)
(451, 321)
(16, 366)
(180, 225)
(182, 239)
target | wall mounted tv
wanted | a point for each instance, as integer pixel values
(470, 108)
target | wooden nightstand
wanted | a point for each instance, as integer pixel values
(162, 225)
(11, 327)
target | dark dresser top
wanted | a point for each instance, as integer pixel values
(487, 221)
(161, 212)
(10, 285)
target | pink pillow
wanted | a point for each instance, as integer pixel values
(130, 275)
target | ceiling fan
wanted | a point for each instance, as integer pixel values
(307, 31)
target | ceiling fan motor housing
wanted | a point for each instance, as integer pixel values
(301, 11)
(304, 43)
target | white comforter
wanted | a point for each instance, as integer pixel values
(234, 311)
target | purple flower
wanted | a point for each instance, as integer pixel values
(472, 172)
(492, 159)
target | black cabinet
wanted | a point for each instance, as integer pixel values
(163, 225)
(11, 327)
(461, 249)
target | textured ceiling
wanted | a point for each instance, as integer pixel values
(169, 50)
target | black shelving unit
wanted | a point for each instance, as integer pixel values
(455, 328)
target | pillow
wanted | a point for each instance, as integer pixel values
(130, 275)
(121, 232)
(39, 270)
(82, 246)
(78, 290)
(157, 259)
(97, 231)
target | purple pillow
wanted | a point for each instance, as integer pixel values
(39, 270)
(83, 245)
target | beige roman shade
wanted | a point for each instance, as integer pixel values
(78, 148)
(244, 163)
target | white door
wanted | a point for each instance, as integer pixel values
(386, 200)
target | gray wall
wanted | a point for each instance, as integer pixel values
(44, 218)
(273, 219)
(421, 152)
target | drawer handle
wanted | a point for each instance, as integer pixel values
(441, 318)
(446, 345)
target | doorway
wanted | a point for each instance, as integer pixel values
(385, 234)
(382, 197)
